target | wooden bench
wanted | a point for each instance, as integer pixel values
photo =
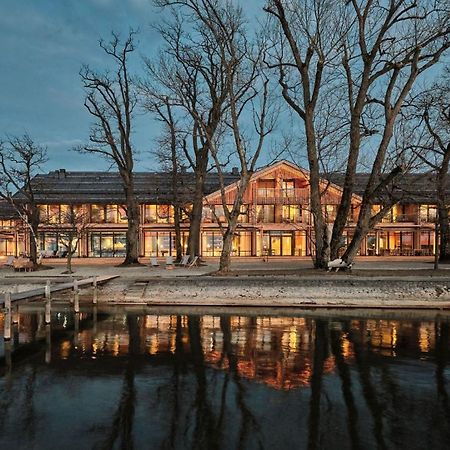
(23, 264)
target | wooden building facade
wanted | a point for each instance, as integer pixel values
(275, 217)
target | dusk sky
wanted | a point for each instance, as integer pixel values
(43, 45)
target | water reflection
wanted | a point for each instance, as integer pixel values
(122, 380)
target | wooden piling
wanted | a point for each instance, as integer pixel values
(95, 294)
(7, 319)
(15, 314)
(47, 291)
(48, 310)
(76, 297)
(48, 344)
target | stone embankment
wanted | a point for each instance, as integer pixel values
(405, 292)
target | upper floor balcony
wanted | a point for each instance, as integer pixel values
(400, 218)
(277, 196)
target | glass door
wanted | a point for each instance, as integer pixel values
(275, 245)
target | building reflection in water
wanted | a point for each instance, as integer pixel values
(351, 383)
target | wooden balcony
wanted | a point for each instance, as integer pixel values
(274, 196)
(401, 218)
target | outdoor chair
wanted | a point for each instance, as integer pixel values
(193, 262)
(184, 261)
(10, 261)
(338, 264)
(154, 262)
(169, 262)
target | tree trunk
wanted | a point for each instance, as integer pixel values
(227, 248)
(177, 222)
(362, 228)
(196, 213)
(132, 236)
(349, 181)
(320, 235)
(69, 256)
(34, 224)
(443, 219)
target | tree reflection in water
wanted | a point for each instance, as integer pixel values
(228, 382)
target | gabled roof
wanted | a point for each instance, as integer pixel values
(290, 166)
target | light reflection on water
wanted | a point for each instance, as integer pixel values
(126, 380)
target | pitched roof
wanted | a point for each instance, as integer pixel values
(407, 188)
(61, 186)
(7, 211)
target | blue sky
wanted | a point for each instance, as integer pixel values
(43, 44)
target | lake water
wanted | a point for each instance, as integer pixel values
(114, 379)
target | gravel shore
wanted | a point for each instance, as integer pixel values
(376, 283)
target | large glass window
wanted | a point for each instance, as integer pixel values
(242, 243)
(292, 213)
(158, 213)
(300, 243)
(426, 242)
(7, 246)
(162, 243)
(212, 243)
(97, 214)
(66, 214)
(265, 213)
(427, 213)
(111, 213)
(288, 188)
(103, 244)
(278, 243)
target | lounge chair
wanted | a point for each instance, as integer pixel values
(184, 261)
(9, 262)
(154, 262)
(338, 264)
(193, 262)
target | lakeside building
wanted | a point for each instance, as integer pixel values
(275, 217)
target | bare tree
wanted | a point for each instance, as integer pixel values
(111, 98)
(169, 155)
(20, 160)
(433, 111)
(375, 52)
(71, 224)
(249, 96)
(192, 73)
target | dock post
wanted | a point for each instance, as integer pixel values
(15, 314)
(7, 319)
(48, 310)
(71, 297)
(76, 330)
(94, 284)
(76, 296)
(48, 344)
(48, 292)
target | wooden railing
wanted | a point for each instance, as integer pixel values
(275, 196)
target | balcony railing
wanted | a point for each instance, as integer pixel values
(400, 218)
(290, 196)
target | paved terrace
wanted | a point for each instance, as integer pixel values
(275, 266)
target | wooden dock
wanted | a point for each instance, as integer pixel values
(40, 292)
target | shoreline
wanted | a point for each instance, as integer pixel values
(381, 284)
(311, 292)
